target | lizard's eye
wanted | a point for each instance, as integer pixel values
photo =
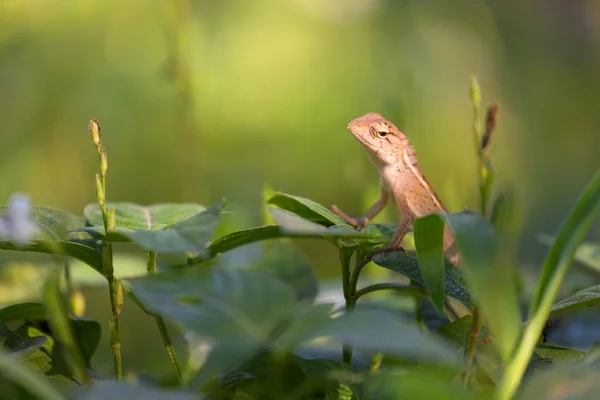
(381, 134)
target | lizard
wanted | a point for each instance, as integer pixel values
(401, 180)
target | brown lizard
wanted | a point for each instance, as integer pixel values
(400, 178)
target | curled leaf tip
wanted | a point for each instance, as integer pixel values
(491, 120)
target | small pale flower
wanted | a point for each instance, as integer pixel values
(16, 225)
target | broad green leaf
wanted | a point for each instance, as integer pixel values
(57, 312)
(59, 235)
(584, 298)
(571, 381)
(236, 311)
(429, 233)
(369, 330)
(22, 311)
(306, 209)
(172, 234)
(457, 331)
(490, 276)
(289, 265)
(27, 379)
(329, 372)
(408, 266)
(560, 353)
(292, 224)
(244, 237)
(143, 218)
(416, 386)
(128, 391)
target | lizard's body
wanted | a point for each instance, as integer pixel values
(401, 179)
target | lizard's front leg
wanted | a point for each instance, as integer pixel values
(394, 245)
(360, 223)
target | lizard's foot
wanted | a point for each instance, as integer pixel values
(386, 249)
(358, 223)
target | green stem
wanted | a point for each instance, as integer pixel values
(160, 323)
(345, 256)
(471, 346)
(68, 285)
(360, 262)
(115, 290)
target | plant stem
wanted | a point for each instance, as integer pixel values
(345, 256)
(399, 287)
(115, 291)
(471, 346)
(160, 323)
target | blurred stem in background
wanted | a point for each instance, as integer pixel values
(179, 72)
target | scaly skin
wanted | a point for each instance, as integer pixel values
(401, 179)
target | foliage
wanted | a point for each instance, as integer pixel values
(254, 330)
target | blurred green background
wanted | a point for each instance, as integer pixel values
(203, 99)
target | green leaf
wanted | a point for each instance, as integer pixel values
(456, 331)
(127, 391)
(584, 298)
(560, 353)
(294, 225)
(329, 372)
(490, 276)
(429, 233)
(22, 311)
(368, 330)
(235, 310)
(143, 218)
(59, 236)
(284, 262)
(416, 386)
(567, 381)
(27, 379)
(18, 346)
(163, 228)
(306, 209)
(57, 312)
(408, 266)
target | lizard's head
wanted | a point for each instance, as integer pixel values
(382, 139)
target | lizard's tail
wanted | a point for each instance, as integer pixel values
(450, 251)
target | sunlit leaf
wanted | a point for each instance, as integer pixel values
(306, 209)
(166, 229)
(559, 353)
(143, 218)
(429, 233)
(584, 298)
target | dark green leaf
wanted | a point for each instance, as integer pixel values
(408, 266)
(429, 233)
(243, 237)
(329, 372)
(55, 224)
(18, 346)
(127, 391)
(22, 311)
(306, 209)
(458, 330)
(490, 276)
(584, 298)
